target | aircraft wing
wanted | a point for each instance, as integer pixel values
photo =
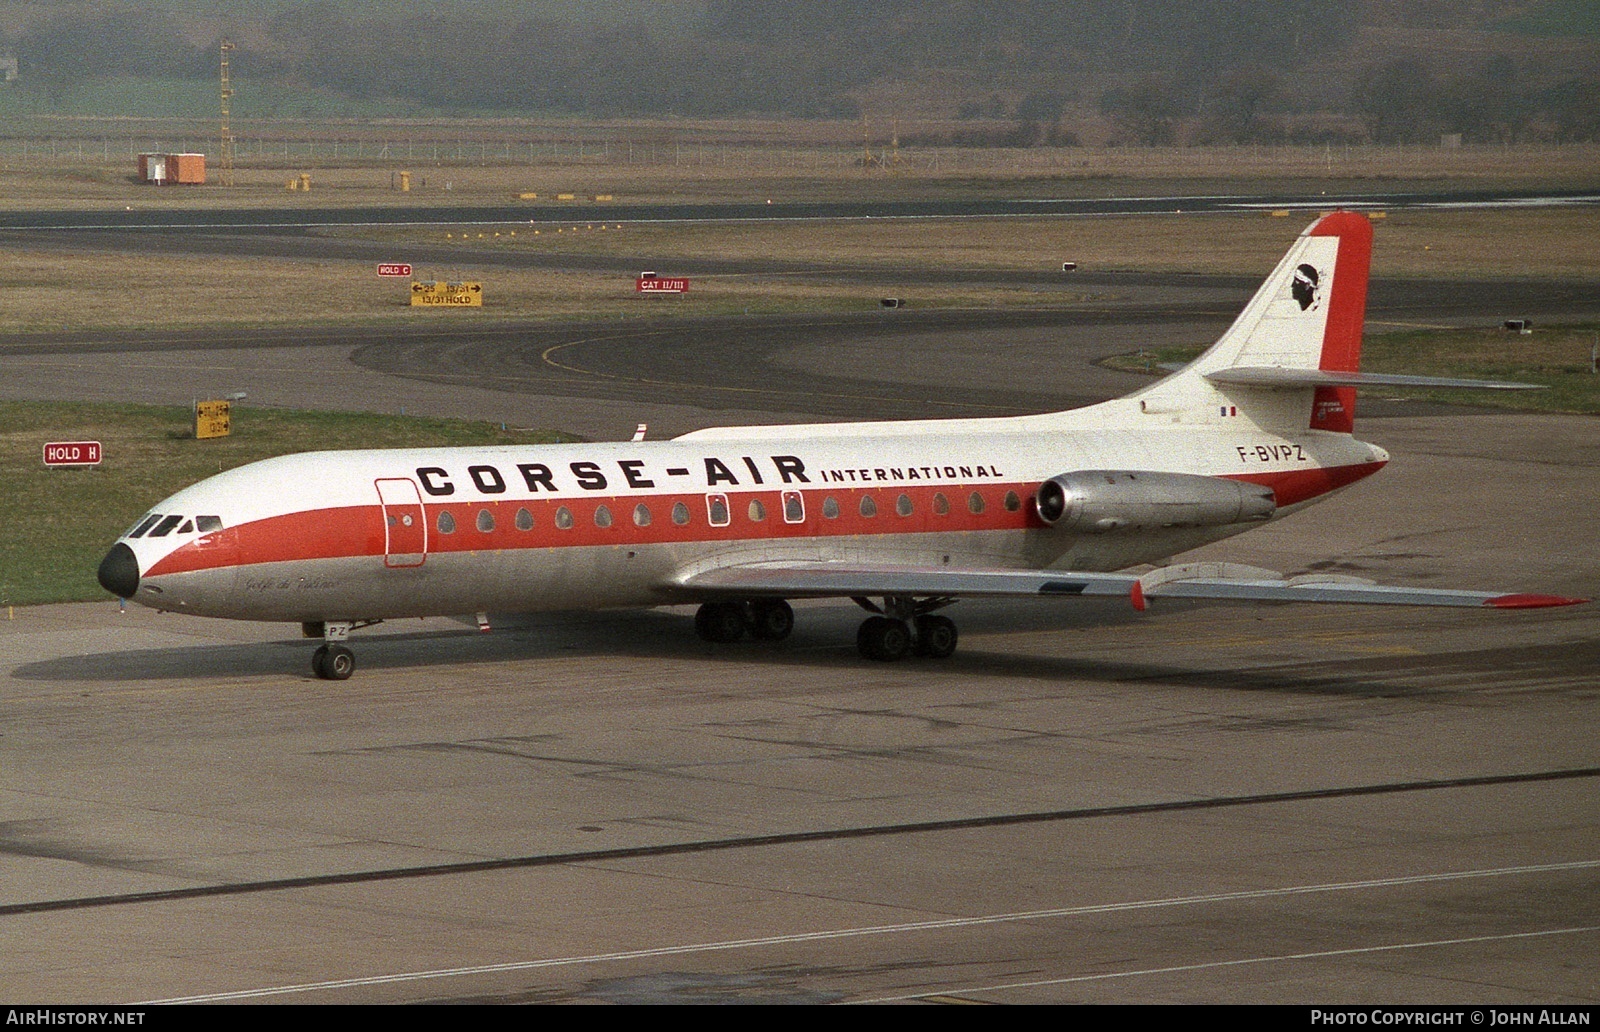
(1220, 581)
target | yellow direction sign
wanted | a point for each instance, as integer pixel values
(450, 295)
(211, 419)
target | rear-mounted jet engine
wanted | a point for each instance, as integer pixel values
(1098, 501)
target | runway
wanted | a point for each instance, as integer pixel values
(1086, 804)
(196, 218)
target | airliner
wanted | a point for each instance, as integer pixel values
(904, 518)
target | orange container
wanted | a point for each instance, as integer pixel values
(186, 168)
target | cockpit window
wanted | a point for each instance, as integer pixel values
(164, 528)
(207, 524)
(144, 525)
(187, 528)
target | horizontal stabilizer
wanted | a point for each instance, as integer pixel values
(1276, 377)
(1215, 581)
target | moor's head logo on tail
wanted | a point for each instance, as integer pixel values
(1305, 286)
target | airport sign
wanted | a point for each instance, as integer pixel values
(72, 453)
(394, 269)
(212, 419)
(450, 295)
(660, 285)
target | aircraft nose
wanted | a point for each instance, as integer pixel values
(119, 571)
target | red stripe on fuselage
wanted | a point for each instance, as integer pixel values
(1293, 486)
(358, 530)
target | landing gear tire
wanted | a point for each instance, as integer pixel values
(883, 639)
(771, 620)
(936, 636)
(333, 662)
(720, 622)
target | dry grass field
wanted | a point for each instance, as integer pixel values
(49, 290)
(478, 163)
(1534, 242)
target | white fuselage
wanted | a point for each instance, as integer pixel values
(360, 535)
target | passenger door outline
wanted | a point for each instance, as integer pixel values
(405, 524)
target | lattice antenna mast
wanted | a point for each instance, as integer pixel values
(226, 133)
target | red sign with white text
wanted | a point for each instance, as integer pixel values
(72, 453)
(394, 269)
(658, 285)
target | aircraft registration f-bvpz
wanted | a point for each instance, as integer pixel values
(740, 519)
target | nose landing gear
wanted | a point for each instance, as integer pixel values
(333, 661)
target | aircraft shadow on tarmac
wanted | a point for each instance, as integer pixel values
(825, 639)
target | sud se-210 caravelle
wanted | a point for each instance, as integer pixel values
(912, 514)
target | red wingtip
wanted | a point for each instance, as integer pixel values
(1136, 596)
(1532, 601)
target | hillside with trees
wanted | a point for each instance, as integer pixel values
(959, 72)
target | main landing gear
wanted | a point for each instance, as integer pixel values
(765, 619)
(905, 627)
(900, 627)
(333, 661)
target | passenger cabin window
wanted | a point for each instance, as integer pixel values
(602, 516)
(524, 519)
(830, 508)
(758, 512)
(717, 510)
(641, 515)
(941, 505)
(975, 503)
(794, 507)
(868, 506)
(564, 518)
(485, 521)
(902, 505)
(446, 523)
(1013, 503)
(680, 513)
(164, 528)
(207, 524)
(144, 525)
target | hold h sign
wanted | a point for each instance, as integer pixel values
(72, 453)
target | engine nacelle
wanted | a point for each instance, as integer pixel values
(1100, 500)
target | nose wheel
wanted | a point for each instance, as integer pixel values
(333, 662)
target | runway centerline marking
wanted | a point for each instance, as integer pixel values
(917, 927)
(1214, 964)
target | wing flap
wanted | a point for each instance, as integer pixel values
(1212, 581)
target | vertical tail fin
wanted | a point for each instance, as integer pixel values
(1306, 316)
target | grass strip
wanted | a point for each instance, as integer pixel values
(59, 522)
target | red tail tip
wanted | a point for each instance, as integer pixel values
(1532, 601)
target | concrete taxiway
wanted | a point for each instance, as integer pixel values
(1195, 804)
